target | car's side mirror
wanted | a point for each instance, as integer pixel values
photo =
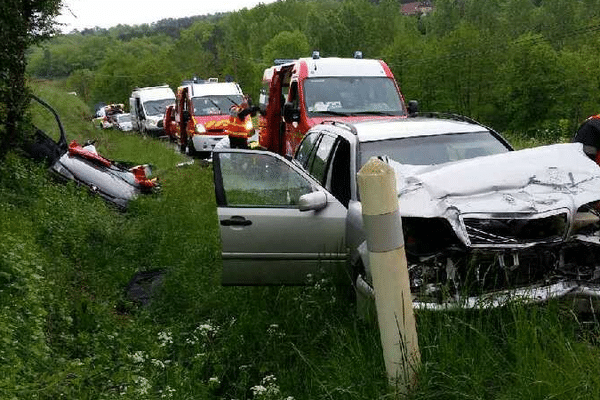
(413, 107)
(290, 113)
(313, 201)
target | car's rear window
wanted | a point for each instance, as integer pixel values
(436, 149)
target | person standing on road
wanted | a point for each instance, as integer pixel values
(240, 126)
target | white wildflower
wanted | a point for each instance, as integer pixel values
(269, 379)
(157, 363)
(191, 340)
(138, 357)
(165, 338)
(268, 388)
(207, 329)
(143, 384)
(214, 381)
(258, 390)
(167, 393)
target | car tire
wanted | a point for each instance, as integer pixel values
(191, 150)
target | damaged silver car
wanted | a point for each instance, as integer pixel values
(116, 182)
(482, 223)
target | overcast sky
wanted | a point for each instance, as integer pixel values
(81, 14)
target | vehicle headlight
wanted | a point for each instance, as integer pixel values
(249, 125)
(200, 128)
(153, 123)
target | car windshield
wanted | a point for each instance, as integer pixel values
(352, 96)
(435, 149)
(157, 107)
(215, 105)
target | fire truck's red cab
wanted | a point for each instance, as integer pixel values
(298, 94)
(198, 119)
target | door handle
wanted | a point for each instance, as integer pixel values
(236, 221)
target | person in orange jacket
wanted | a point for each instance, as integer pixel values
(589, 134)
(240, 126)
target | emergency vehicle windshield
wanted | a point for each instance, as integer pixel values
(352, 96)
(215, 105)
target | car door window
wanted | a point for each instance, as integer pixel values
(339, 181)
(306, 148)
(318, 166)
(255, 179)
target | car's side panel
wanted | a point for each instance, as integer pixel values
(280, 246)
(266, 239)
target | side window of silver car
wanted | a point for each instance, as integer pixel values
(257, 180)
(306, 149)
(318, 166)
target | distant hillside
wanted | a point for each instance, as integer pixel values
(168, 26)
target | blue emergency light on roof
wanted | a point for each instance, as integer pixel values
(316, 55)
(358, 54)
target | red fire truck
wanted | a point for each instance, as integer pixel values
(298, 94)
(198, 119)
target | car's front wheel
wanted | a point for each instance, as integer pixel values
(191, 150)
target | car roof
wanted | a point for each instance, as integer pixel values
(395, 127)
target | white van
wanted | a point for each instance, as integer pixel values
(147, 107)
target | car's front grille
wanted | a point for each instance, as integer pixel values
(516, 231)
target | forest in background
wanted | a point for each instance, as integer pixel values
(523, 66)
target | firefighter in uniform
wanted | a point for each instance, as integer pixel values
(589, 134)
(240, 126)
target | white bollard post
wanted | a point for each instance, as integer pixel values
(387, 259)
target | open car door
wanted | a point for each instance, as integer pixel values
(277, 223)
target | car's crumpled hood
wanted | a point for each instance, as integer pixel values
(525, 181)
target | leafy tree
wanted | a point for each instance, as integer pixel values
(286, 45)
(445, 18)
(322, 27)
(81, 82)
(405, 55)
(530, 83)
(577, 96)
(23, 23)
(68, 53)
(516, 17)
(139, 62)
(192, 53)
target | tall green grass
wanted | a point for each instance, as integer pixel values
(69, 330)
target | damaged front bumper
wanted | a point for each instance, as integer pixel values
(585, 297)
(520, 226)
